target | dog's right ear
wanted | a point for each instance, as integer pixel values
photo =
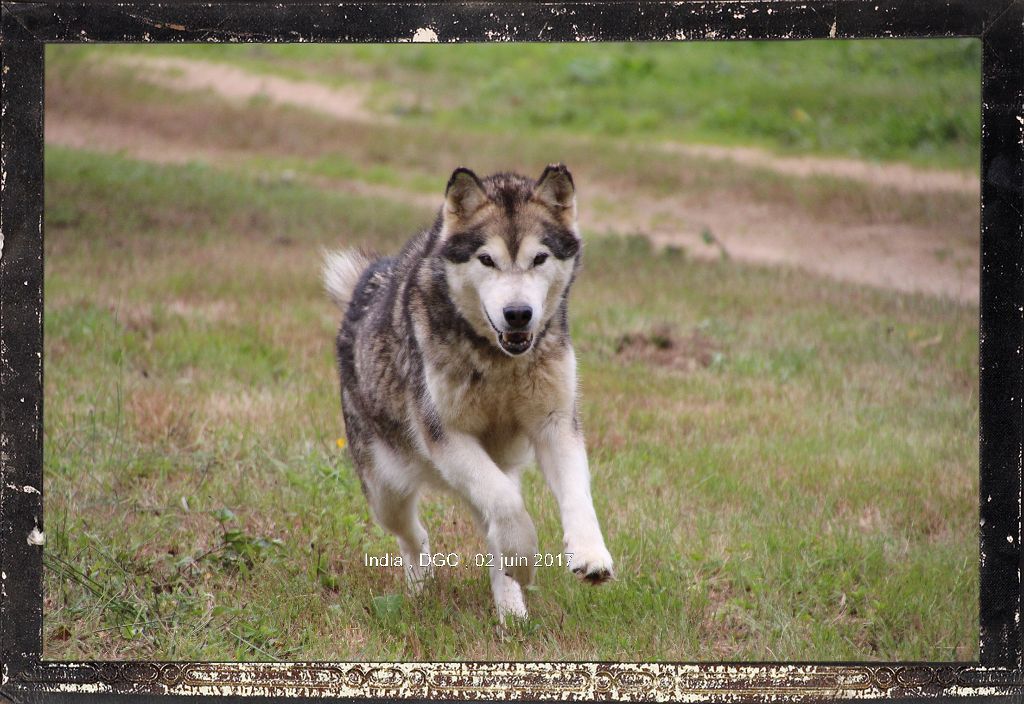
(464, 194)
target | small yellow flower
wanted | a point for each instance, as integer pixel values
(341, 443)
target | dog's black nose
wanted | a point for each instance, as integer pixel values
(518, 317)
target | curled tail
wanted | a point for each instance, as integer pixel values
(341, 272)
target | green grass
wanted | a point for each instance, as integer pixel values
(793, 478)
(880, 99)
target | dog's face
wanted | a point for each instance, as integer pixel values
(510, 247)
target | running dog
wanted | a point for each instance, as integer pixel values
(457, 370)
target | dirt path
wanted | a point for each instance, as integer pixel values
(144, 146)
(901, 177)
(240, 85)
(903, 257)
(348, 103)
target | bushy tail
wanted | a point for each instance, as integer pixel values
(341, 272)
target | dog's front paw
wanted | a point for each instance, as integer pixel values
(513, 540)
(591, 562)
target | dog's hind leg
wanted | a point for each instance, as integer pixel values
(508, 595)
(393, 496)
(398, 514)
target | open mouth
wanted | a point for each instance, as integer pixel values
(513, 342)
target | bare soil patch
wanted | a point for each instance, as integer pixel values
(662, 347)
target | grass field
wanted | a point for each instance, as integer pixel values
(785, 466)
(910, 100)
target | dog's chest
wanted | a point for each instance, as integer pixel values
(499, 400)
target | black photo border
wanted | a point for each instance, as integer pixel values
(25, 29)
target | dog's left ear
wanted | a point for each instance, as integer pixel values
(556, 190)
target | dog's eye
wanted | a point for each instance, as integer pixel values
(540, 259)
(486, 260)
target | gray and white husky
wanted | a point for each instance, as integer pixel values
(457, 369)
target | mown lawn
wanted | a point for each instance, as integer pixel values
(785, 467)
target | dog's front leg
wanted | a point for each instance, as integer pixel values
(496, 500)
(562, 456)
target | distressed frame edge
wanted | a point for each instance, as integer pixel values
(531, 681)
(21, 366)
(496, 21)
(1001, 343)
(24, 673)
